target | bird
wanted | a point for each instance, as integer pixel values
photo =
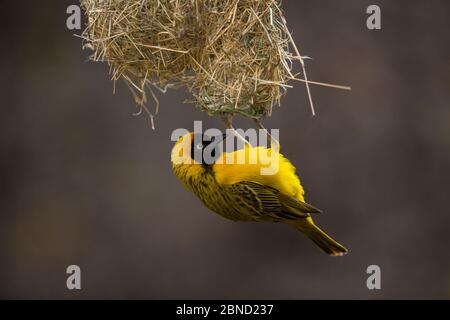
(237, 190)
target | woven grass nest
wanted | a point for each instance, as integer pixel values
(233, 56)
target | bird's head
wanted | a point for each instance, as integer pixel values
(197, 149)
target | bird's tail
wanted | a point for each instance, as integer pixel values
(321, 239)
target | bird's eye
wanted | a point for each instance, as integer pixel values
(199, 146)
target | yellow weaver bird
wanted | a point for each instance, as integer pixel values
(238, 191)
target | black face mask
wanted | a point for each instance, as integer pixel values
(207, 150)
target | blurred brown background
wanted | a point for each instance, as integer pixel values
(84, 182)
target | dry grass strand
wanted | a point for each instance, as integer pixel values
(234, 56)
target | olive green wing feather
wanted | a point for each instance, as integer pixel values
(291, 203)
(254, 198)
(267, 203)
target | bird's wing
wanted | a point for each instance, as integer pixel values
(297, 205)
(268, 202)
(259, 200)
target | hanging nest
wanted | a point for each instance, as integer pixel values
(233, 56)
